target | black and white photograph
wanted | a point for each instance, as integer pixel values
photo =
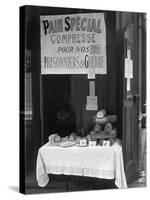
(83, 102)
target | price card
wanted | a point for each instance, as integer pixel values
(106, 143)
(83, 142)
(92, 143)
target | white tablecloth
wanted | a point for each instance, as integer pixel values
(99, 162)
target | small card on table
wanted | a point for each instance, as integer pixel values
(83, 142)
(92, 143)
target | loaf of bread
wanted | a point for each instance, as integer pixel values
(54, 139)
(89, 137)
(57, 139)
(108, 127)
(113, 134)
(78, 140)
(101, 114)
(97, 128)
(72, 137)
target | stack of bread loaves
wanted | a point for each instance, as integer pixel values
(108, 133)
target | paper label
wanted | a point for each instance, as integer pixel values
(91, 75)
(128, 68)
(128, 84)
(91, 100)
(128, 65)
(83, 142)
(91, 107)
(92, 88)
(92, 143)
(106, 143)
(128, 53)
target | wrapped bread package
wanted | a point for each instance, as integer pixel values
(97, 128)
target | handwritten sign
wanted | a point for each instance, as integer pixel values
(73, 44)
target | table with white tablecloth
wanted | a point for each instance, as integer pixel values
(97, 161)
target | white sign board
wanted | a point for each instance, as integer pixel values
(73, 44)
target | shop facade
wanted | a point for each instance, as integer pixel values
(121, 90)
